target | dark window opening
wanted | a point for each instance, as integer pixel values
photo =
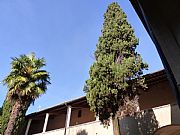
(79, 113)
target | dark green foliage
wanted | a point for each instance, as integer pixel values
(6, 112)
(0, 111)
(0, 119)
(116, 73)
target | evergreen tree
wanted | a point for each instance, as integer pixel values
(6, 112)
(116, 75)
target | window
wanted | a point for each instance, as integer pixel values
(79, 113)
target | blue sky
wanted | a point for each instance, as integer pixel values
(65, 33)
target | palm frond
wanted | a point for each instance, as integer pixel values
(26, 78)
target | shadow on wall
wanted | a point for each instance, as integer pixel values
(82, 132)
(175, 112)
(144, 123)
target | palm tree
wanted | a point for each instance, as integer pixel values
(26, 82)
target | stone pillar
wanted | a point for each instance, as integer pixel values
(28, 126)
(68, 119)
(46, 122)
(68, 116)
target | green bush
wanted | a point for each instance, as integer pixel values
(6, 112)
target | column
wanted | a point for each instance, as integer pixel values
(68, 116)
(46, 122)
(28, 126)
(97, 118)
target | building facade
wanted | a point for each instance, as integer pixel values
(161, 20)
(158, 108)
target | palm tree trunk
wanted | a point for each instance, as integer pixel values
(14, 114)
(116, 126)
(20, 120)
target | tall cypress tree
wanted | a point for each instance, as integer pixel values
(116, 75)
